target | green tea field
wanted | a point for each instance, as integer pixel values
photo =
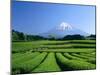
(53, 56)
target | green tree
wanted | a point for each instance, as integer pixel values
(15, 37)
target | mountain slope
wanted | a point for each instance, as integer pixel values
(62, 30)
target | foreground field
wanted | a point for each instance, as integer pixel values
(51, 56)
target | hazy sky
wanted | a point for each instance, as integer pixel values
(35, 18)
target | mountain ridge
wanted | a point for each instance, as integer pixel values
(62, 30)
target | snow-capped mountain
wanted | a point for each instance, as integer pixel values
(64, 26)
(62, 30)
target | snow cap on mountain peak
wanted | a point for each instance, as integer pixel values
(64, 26)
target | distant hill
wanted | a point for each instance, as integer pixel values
(63, 31)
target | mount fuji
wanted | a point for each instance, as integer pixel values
(62, 30)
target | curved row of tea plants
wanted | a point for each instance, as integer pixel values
(48, 65)
(49, 56)
(29, 65)
(74, 64)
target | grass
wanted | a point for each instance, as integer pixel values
(74, 64)
(48, 65)
(88, 59)
(88, 54)
(67, 55)
(64, 46)
(50, 56)
(28, 66)
(67, 50)
(24, 57)
(81, 56)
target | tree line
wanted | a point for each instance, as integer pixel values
(20, 36)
